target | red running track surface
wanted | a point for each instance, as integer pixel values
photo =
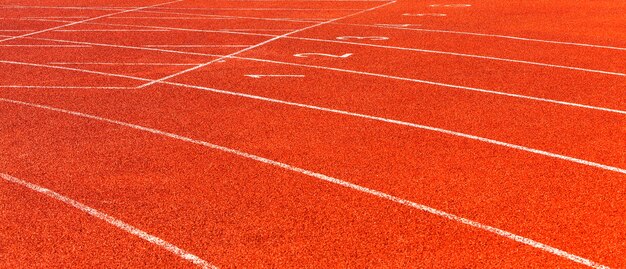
(312, 133)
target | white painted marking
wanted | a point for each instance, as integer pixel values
(263, 76)
(267, 41)
(196, 46)
(309, 54)
(264, 9)
(376, 193)
(57, 17)
(375, 38)
(46, 46)
(86, 20)
(262, 30)
(425, 14)
(396, 25)
(114, 30)
(112, 221)
(450, 5)
(141, 64)
(512, 95)
(167, 18)
(67, 87)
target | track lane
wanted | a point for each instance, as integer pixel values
(552, 83)
(543, 126)
(242, 212)
(441, 171)
(39, 231)
(591, 22)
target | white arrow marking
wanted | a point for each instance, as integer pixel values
(261, 76)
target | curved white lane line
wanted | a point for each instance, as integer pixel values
(487, 228)
(364, 116)
(113, 221)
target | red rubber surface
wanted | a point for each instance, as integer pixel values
(237, 212)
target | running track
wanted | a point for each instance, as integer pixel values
(312, 133)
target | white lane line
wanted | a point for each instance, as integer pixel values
(112, 221)
(131, 64)
(485, 91)
(263, 9)
(167, 18)
(86, 20)
(55, 17)
(114, 30)
(491, 58)
(276, 76)
(262, 30)
(266, 42)
(74, 69)
(178, 8)
(329, 179)
(67, 87)
(196, 46)
(47, 46)
(358, 115)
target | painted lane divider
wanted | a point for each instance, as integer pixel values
(425, 14)
(450, 5)
(263, 76)
(375, 38)
(306, 55)
(397, 25)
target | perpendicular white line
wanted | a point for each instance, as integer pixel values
(266, 42)
(329, 179)
(485, 91)
(111, 220)
(364, 116)
(85, 20)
